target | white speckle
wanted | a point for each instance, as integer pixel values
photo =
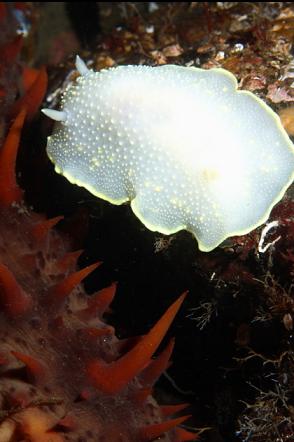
(261, 247)
(181, 144)
(149, 29)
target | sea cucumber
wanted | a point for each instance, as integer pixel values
(64, 375)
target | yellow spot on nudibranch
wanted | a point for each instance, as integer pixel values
(191, 151)
(210, 174)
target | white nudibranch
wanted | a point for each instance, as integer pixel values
(183, 145)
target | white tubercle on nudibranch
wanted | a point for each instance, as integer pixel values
(81, 66)
(183, 145)
(54, 114)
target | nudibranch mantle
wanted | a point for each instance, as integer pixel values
(182, 144)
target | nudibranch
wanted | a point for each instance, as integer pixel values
(183, 145)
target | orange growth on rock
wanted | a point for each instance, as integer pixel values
(99, 303)
(41, 229)
(34, 366)
(10, 50)
(93, 332)
(29, 76)
(152, 432)
(68, 261)
(287, 119)
(169, 410)
(185, 436)
(157, 366)
(3, 11)
(9, 189)
(141, 396)
(37, 424)
(112, 378)
(14, 300)
(32, 100)
(60, 291)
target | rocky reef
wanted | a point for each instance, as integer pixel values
(233, 355)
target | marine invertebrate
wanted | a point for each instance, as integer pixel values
(53, 330)
(182, 144)
(64, 376)
(49, 323)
